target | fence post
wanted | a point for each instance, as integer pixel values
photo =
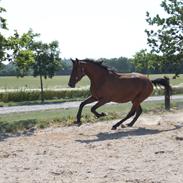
(167, 96)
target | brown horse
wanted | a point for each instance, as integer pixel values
(109, 86)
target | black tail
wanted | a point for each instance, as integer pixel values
(162, 82)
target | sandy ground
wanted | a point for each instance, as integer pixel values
(150, 152)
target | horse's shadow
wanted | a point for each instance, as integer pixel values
(126, 133)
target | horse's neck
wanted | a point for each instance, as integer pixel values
(96, 75)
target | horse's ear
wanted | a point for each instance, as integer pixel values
(77, 60)
(72, 60)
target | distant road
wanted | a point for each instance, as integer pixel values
(64, 105)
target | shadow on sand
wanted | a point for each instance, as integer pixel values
(25, 133)
(17, 128)
(126, 133)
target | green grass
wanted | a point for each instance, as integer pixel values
(59, 82)
(63, 117)
(29, 82)
(38, 102)
(173, 82)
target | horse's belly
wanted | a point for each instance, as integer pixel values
(117, 96)
(120, 94)
(121, 99)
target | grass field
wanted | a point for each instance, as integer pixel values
(60, 82)
(63, 117)
(29, 82)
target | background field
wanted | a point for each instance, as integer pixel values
(60, 82)
(29, 82)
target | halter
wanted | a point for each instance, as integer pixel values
(82, 71)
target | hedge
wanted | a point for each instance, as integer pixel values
(27, 95)
(20, 96)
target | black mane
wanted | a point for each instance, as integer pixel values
(98, 63)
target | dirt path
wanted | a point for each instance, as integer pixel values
(150, 152)
(64, 105)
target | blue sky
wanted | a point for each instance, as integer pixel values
(85, 28)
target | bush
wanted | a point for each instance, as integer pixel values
(27, 95)
(20, 96)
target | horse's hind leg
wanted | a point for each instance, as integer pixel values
(130, 114)
(97, 105)
(138, 113)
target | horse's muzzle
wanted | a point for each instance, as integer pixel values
(71, 85)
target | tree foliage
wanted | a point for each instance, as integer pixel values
(21, 51)
(121, 64)
(2, 19)
(166, 35)
(27, 53)
(47, 61)
(147, 63)
(2, 38)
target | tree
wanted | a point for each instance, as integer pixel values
(21, 51)
(27, 53)
(2, 38)
(47, 61)
(146, 62)
(166, 37)
(121, 64)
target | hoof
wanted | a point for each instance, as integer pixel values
(101, 115)
(113, 128)
(76, 123)
(124, 126)
(129, 125)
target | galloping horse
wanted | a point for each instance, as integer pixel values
(109, 86)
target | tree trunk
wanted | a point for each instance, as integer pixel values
(42, 92)
(167, 98)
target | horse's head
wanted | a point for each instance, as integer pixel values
(77, 72)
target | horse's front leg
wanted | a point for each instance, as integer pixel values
(85, 102)
(97, 105)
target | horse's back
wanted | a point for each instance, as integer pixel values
(131, 75)
(132, 80)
